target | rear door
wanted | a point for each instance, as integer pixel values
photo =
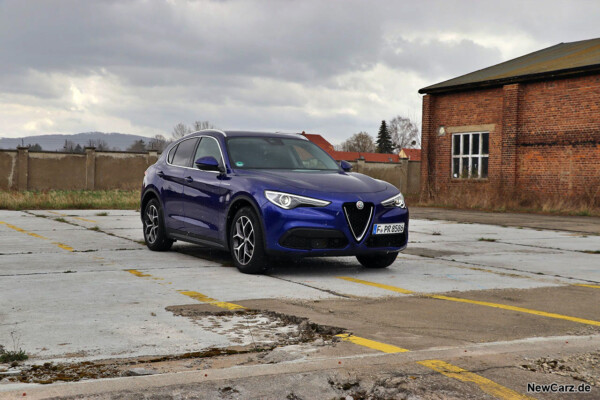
(205, 195)
(172, 173)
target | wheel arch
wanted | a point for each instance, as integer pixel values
(239, 202)
(149, 194)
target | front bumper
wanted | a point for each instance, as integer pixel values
(324, 231)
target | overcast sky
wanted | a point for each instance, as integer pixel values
(328, 67)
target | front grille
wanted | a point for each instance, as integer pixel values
(309, 239)
(396, 240)
(358, 220)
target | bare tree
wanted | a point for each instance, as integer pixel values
(179, 131)
(158, 142)
(200, 125)
(405, 133)
(361, 141)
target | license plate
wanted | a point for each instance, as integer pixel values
(388, 229)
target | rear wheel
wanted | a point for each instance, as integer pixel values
(246, 242)
(155, 234)
(381, 260)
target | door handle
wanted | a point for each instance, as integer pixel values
(160, 174)
(189, 179)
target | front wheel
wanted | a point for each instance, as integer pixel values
(155, 234)
(246, 242)
(381, 260)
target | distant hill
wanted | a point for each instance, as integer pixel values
(115, 141)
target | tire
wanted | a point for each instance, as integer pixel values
(246, 242)
(381, 260)
(155, 234)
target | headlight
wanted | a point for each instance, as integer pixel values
(289, 201)
(396, 201)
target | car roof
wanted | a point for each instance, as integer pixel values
(215, 132)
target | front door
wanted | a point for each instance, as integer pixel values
(205, 195)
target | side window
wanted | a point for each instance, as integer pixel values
(209, 147)
(184, 152)
(171, 154)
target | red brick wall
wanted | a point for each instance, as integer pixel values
(460, 109)
(559, 136)
(546, 138)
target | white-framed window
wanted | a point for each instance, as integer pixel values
(470, 154)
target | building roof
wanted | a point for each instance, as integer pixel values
(350, 155)
(411, 154)
(319, 141)
(561, 60)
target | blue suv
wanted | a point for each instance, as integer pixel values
(263, 195)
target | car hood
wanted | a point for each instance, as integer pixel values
(319, 181)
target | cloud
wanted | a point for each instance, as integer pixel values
(336, 67)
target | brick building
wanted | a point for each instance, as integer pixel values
(531, 124)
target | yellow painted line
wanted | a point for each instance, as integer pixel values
(519, 309)
(35, 235)
(138, 273)
(79, 218)
(63, 246)
(194, 295)
(212, 302)
(386, 348)
(84, 219)
(488, 386)
(584, 285)
(481, 303)
(378, 285)
(452, 371)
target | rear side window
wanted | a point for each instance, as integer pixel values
(171, 155)
(183, 153)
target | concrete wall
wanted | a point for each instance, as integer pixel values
(24, 170)
(95, 170)
(405, 175)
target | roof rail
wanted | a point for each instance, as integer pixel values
(214, 130)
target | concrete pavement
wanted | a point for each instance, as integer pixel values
(79, 286)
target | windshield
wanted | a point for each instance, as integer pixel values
(278, 153)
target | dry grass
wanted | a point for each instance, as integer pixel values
(476, 197)
(70, 199)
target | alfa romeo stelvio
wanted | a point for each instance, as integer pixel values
(264, 196)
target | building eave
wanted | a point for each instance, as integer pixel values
(542, 76)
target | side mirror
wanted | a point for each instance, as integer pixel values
(209, 163)
(346, 166)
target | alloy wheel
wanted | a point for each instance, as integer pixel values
(151, 222)
(243, 240)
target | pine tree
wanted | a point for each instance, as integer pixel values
(384, 139)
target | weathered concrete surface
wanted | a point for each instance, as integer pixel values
(79, 303)
(380, 376)
(555, 222)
